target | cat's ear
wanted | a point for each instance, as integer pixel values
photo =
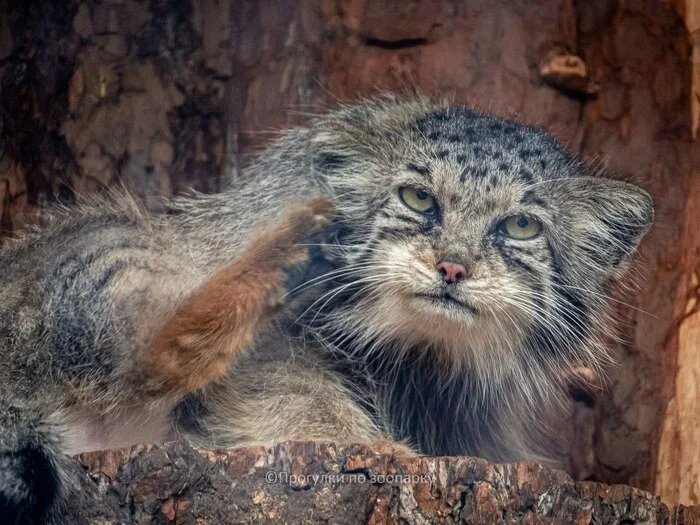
(361, 131)
(336, 145)
(607, 219)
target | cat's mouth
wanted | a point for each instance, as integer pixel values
(447, 300)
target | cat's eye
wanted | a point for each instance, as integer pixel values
(417, 199)
(521, 227)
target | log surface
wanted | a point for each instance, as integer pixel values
(322, 483)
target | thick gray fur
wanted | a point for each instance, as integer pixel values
(358, 356)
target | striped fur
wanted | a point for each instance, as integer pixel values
(98, 304)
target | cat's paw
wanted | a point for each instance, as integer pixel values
(302, 221)
(291, 249)
(287, 242)
(397, 449)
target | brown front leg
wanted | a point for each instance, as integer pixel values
(197, 344)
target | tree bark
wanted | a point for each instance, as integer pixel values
(171, 94)
(322, 483)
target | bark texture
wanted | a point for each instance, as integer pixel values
(168, 94)
(319, 483)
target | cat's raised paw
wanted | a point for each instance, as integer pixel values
(305, 219)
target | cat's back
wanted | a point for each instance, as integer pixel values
(71, 238)
(75, 283)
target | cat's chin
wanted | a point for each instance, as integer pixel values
(446, 307)
(462, 339)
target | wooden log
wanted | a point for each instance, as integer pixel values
(298, 482)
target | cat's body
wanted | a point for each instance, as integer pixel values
(464, 272)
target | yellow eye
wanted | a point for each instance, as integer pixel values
(418, 200)
(521, 227)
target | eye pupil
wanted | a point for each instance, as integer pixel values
(422, 194)
(522, 222)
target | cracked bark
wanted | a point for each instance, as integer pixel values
(319, 483)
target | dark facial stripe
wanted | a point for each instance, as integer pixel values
(402, 218)
(387, 232)
(515, 262)
(422, 170)
(576, 311)
(556, 265)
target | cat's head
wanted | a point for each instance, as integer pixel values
(475, 236)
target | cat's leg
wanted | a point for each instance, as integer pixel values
(89, 362)
(197, 344)
(292, 400)
(30, 465)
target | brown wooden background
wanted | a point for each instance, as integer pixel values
(165, 95)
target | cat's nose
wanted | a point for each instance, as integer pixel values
(451, 272)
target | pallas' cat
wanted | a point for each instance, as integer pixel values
(396, 270)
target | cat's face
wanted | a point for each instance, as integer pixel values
(478, 236)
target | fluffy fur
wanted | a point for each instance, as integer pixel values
(97, 305)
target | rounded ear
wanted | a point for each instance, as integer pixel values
(335, 145)
(606, 219)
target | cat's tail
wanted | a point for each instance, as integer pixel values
(30, 466)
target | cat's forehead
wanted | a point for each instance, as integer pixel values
(487, 148)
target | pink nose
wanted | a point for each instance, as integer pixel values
(451, 272)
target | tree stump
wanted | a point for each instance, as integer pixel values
(298, 482)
